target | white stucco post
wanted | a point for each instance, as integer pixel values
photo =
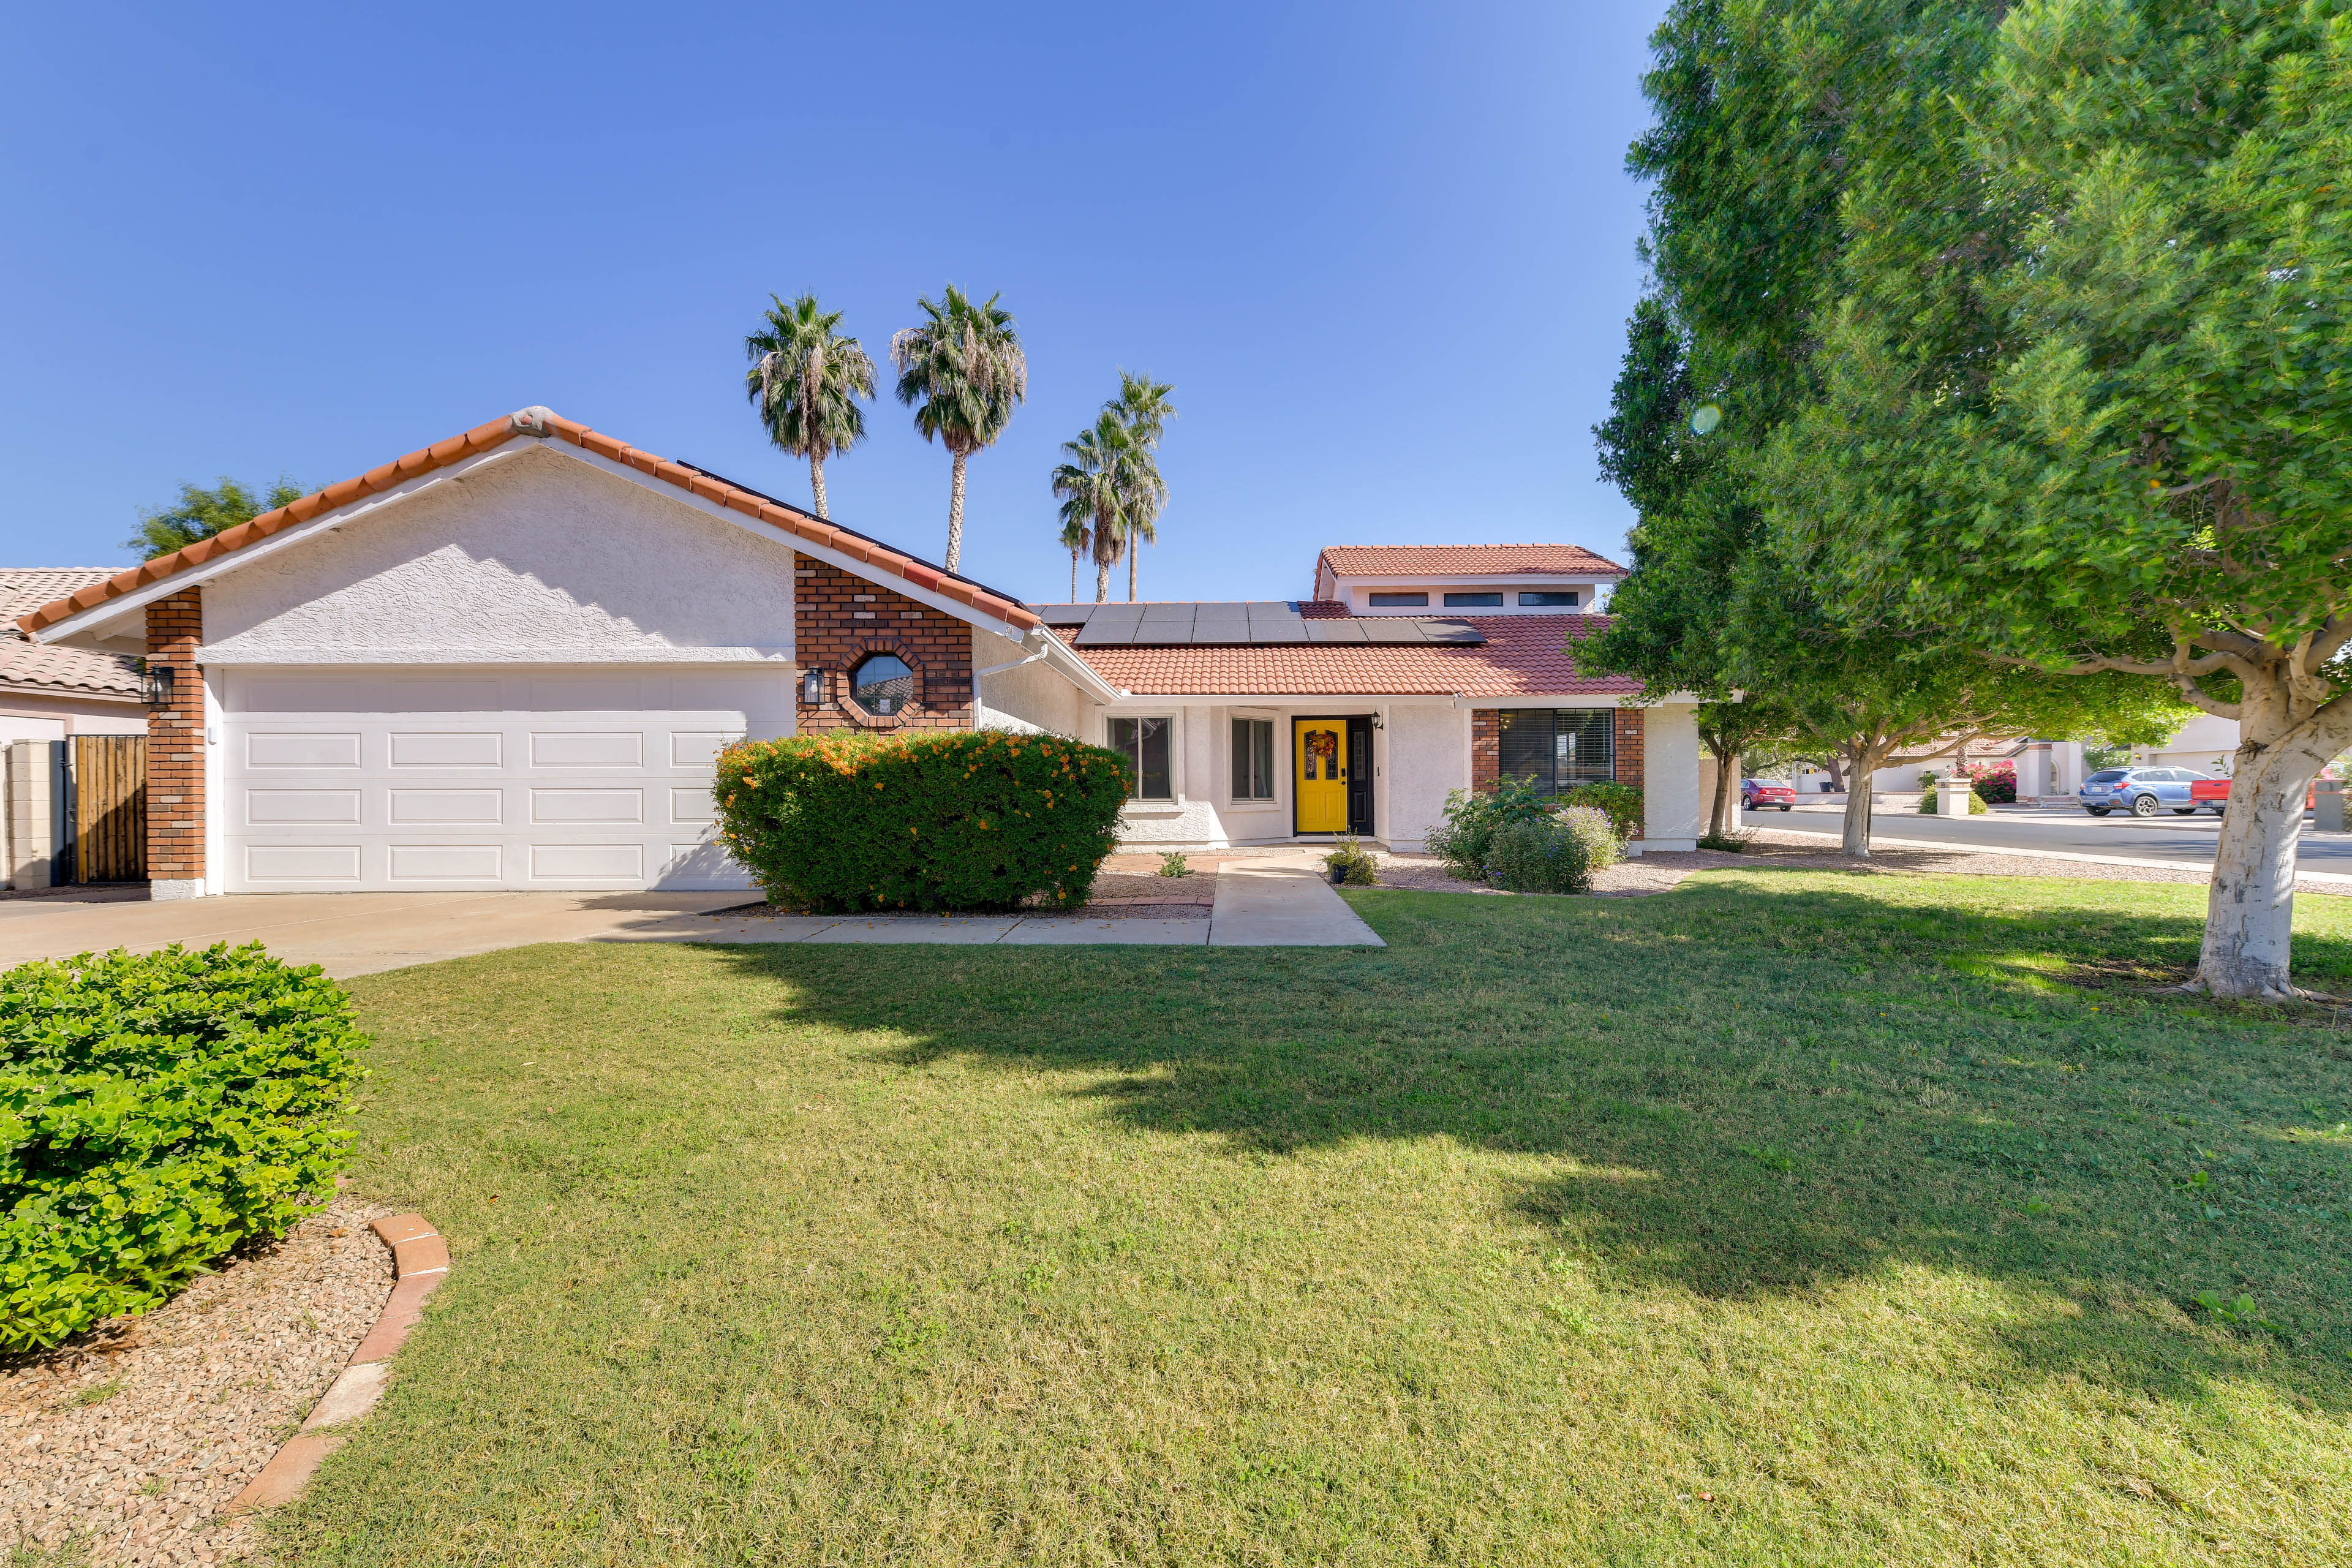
(2066, 767)
(1673, 807)
(2033, 770)
(1953, 791)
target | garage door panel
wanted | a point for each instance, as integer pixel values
(285, 807)
(587, 805)
(447, 748)
(374, 789)
(481, 807)
(310, 752)
(587, 748)
(302, 862)
(447, 862)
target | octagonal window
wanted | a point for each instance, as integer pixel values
(882, 683)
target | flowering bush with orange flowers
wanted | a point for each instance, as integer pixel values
(954, 820)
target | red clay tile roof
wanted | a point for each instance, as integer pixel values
(498, 432)
(1523, 656)
(67, 671)
(1461, 561)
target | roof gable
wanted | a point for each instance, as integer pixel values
(1464, 560)
(856, 553)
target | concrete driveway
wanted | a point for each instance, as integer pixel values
(347, 933)
(1274, 901)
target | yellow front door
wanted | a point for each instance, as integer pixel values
(1320, 773)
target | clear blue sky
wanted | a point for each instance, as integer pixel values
(1384, 252)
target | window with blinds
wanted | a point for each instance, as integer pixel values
(1253, 759)
(1557, 748)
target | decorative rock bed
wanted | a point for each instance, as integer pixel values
(149, 1439)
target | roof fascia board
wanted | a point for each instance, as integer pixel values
(1432, 699)
(99, 618)
(1516, 579)
(762, 529)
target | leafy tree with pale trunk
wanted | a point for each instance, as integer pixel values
(806, 380)
(963, 372)
(2085, 400)
(200, 513)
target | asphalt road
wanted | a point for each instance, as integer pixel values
(2068, 828)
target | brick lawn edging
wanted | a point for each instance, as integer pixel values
(420, 1261)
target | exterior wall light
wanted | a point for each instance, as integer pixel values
(155, 683)
(812, 687)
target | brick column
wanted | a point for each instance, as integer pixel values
(1631, 724)
(1485, 748)
(175, 750)
(838, 620)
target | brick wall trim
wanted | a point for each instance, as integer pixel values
(175, 742)
(838, 618)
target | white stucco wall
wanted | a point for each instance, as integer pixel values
(536, 558)
(1675, 811)
(1425, 752)
(1030, 697)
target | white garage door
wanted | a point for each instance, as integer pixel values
(416, 780)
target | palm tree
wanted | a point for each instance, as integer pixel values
(963, 372)
(806, 383)
(1142, 407)
(1105, 474)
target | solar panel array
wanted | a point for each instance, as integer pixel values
(1266, 623)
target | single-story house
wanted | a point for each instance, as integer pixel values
(48, 692)
(508, 659)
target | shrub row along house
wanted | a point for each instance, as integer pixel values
(508, 659)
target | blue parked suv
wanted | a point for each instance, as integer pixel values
(2143, 792)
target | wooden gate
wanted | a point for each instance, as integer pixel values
(108, 795)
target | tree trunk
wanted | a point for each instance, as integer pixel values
(1102, 580)
(1131, 571)
(816, 483)
(955, 513)
(1856, 839)
(1725, 764)
(1837, 780)
(1074, 576)
(2250, 909)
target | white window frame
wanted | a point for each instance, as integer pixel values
(1175, 755)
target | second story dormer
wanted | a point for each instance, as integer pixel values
(1466, 579)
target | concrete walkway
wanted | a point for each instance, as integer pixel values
(1276, 901)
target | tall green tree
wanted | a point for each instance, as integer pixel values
(806, 380)
(200, 513)
(963, 372)
(1144, 407)
(2085, 401)
(1104, 475)
(1758, 109)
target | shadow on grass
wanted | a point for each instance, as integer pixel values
(1820, 1081)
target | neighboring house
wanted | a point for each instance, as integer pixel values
(48, 693)
(2207, 743)
(1464, 579)
(509, 659)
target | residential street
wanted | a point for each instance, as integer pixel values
(2063, 828)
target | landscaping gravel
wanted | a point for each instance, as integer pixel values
(131, 1439)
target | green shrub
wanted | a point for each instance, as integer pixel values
(1621, 802)
(155, 1111)
(1554, 853)
(956, 819)
(1358, 866)
(1174, 864)
(1472, 817)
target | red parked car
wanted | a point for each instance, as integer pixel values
(2213, 794)
(1756, 794)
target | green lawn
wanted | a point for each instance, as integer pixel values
(1782, 1219)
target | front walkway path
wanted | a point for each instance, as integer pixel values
(1274, 901)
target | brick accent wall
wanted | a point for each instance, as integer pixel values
(1633, 724)
(1485, 748)
(175, 742)
(838, 620)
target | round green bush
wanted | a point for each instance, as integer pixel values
(1555, 854)
(952, 820)
(156, 1111)
(1463, 839)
